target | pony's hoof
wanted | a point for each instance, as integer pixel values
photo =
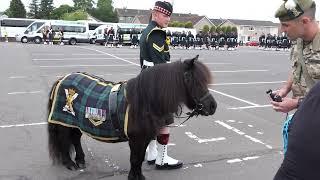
(137, 177)
(81, 165)
(72, 166)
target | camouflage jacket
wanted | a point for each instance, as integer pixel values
(311, 54)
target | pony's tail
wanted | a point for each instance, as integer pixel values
(53, 135)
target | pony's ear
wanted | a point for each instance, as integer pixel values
(190, 62)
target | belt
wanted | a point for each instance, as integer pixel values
(113, 108)
(147, 63)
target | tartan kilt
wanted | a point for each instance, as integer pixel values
(80, 100)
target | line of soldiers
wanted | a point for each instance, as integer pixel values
(210, 41)
(269, 42)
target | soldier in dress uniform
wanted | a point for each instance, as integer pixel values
(154, 50)
(262, 40)
(301, 158)
(183, 40)
(111, 35)
(190, 40)
(222, 40)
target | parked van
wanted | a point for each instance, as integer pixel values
(73, 31)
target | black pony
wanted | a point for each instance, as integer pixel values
(152, 96)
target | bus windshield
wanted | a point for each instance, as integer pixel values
(33, 27)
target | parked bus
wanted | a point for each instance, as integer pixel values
(127, 29)
(74, 31)
(93, 25)
(14, 26)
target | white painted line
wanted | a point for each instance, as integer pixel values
(234, 161)
(87, 65)
(197, 165)
(87, 54)
(199, 140)
(236, 71)
(216, 63)
(17, 77)
(250, 158)
(242, 133)
(250, 107)
(21, 125)
(27, 92)
(112, 56)
(232, 121)
(224, 94)
(243, 159)
(72, 59)
(247, 83)
(45, 54)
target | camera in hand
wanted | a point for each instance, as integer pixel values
(275, 97)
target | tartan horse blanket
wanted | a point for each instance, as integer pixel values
(95, 106)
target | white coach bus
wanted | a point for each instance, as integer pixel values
(14, 26)
(73, 31)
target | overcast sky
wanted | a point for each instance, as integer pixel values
(233, 9)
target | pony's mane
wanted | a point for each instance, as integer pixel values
(161, 89)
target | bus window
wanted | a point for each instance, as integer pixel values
(80, 29)
(15, 23)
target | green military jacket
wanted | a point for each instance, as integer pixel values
(153, 46)
(311, 55)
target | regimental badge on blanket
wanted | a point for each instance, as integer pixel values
(71, 95)
(96, 116)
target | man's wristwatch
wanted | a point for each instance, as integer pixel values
(300, 102)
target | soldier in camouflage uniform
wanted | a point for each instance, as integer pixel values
(301, 132)
(310, 48)
(154, 50)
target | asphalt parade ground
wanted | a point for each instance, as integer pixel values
(241, 141)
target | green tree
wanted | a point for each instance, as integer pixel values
(188, 24)
(105, 11)
(84, 5)
(174, 24)
(205, 29)
(57, 13)
(16, 9)
(46, 8)
(218, 29)
(76, 15)
(223, 29)
(34, 10)
(181, 24)
(213, 29)
(228, 29)
(234, 29)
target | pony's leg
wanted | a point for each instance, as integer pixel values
(76, 141)
(138, 148)
(65, 145)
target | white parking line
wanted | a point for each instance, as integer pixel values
(71, 59)
(237, 71)
(87, 65)
(242, 134)
(17, 77)
(112, 56)
(21, 125)
(233, 97)
(26, 92)
(250, 107)
(199, 140)
(45, 54)
(243, 159)
(247, 83)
